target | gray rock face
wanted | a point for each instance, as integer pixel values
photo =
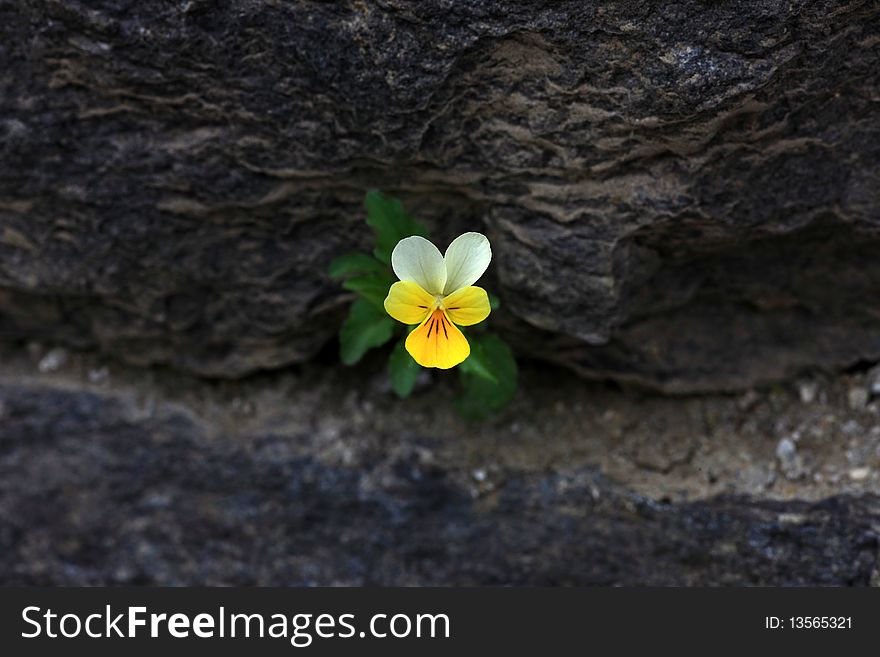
(93, 496)
(682, 195)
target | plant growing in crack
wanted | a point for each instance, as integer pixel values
(434, 297)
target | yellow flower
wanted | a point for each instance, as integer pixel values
(437, 292)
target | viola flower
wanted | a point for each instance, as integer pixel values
(437, 292)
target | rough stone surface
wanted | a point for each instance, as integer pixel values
(91, 495)
(678, 194)
(117, 475)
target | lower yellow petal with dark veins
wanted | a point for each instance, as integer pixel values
(467, 306)
(438, 343)
(407, 302)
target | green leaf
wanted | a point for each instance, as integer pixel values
(403, 370)
(390, 223)
(365, 327)
(373, 288)
(494, 301)
(355, 263)
(478, 362)
(482, 396)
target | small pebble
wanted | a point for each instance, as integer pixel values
(807, 390)
(789, 461)
(98, 375)
(785, 449)
(857, 398)
(859, 474)
(792, 518)
(52, 361)
(873, 379)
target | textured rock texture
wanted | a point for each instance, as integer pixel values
(681, 194)
(110, 475)
(93, 494)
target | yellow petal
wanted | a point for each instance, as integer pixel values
(467, 306)
(407, 302)
(438, 343)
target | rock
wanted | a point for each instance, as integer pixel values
(785, 449)
(857, 397)
(683, 198)
(873, 379)
(53, 361)
(807, 391)
(95, 496)
(859, 474)
(789, 461)
(98, 375)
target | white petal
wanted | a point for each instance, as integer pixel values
(466, 260)
(416, 259)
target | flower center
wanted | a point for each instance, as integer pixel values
(438, 302)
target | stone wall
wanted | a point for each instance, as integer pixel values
(678, 194)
